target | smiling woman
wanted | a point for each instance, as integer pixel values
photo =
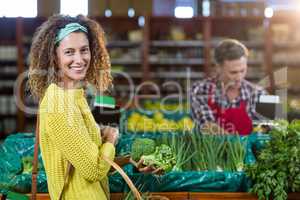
(74, 58)
(63, 43)
(66, 54)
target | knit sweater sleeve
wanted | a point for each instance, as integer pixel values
(69, 133)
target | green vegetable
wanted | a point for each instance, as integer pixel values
(181, 146)
(237, 153)
(27, 164)
(277, 170)
(218, 152)
(163, 158)
(142, 146)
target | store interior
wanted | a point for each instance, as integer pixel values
(158, 49)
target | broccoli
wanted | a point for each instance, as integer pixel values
(27, 164)
(142, 146)
(163, 157)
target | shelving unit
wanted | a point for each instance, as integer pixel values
(8, 63)
(284, 53)
(125, 46)
(164, 49)
(285, 41)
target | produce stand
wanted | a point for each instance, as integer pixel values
(192, 196)
(227, 183)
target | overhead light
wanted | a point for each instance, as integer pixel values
(15, 8)
(269, 12)
(141, 21)
(107, 11)
(131, 12)
(184, 12)
(205, 8)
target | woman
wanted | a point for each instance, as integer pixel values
(226, 103)
(66, 54)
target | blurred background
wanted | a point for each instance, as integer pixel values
(157, 45)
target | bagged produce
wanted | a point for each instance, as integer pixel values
(16, 155)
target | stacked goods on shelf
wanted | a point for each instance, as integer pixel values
(285, 52)
(124, 44)
(285, 59)
(9, 72)
(169, 51)
(238, 8)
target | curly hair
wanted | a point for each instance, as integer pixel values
(44, 69)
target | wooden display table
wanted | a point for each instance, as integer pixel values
(193, 196)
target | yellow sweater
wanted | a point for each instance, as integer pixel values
(68, 132)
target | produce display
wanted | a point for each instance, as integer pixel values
(163, 158)
(277, 170)
(219, 153)
(191, 161)
(158, 105)
(27, 164)
(159, 156)
(138, 122)
(142, 146)
(193, 151)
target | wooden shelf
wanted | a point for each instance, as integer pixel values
(291, 44)
(294, 90)
(287, 63)
(236, 18)
(10, 116)
(8, 62)
(167, 75)
(7, 42)
(8, 76)
(248, 44)
(121, 61)
(6, 91)
(176, 44)
(122, 44)
(176, 61)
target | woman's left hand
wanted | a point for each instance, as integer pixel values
(146, 169)
(110, 134)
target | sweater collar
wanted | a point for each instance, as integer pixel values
(78, 92)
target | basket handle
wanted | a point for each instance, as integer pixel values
(125, 177)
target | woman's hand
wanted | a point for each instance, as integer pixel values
(146, 169)
(110, 134)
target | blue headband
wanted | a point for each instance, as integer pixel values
(69, 28)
